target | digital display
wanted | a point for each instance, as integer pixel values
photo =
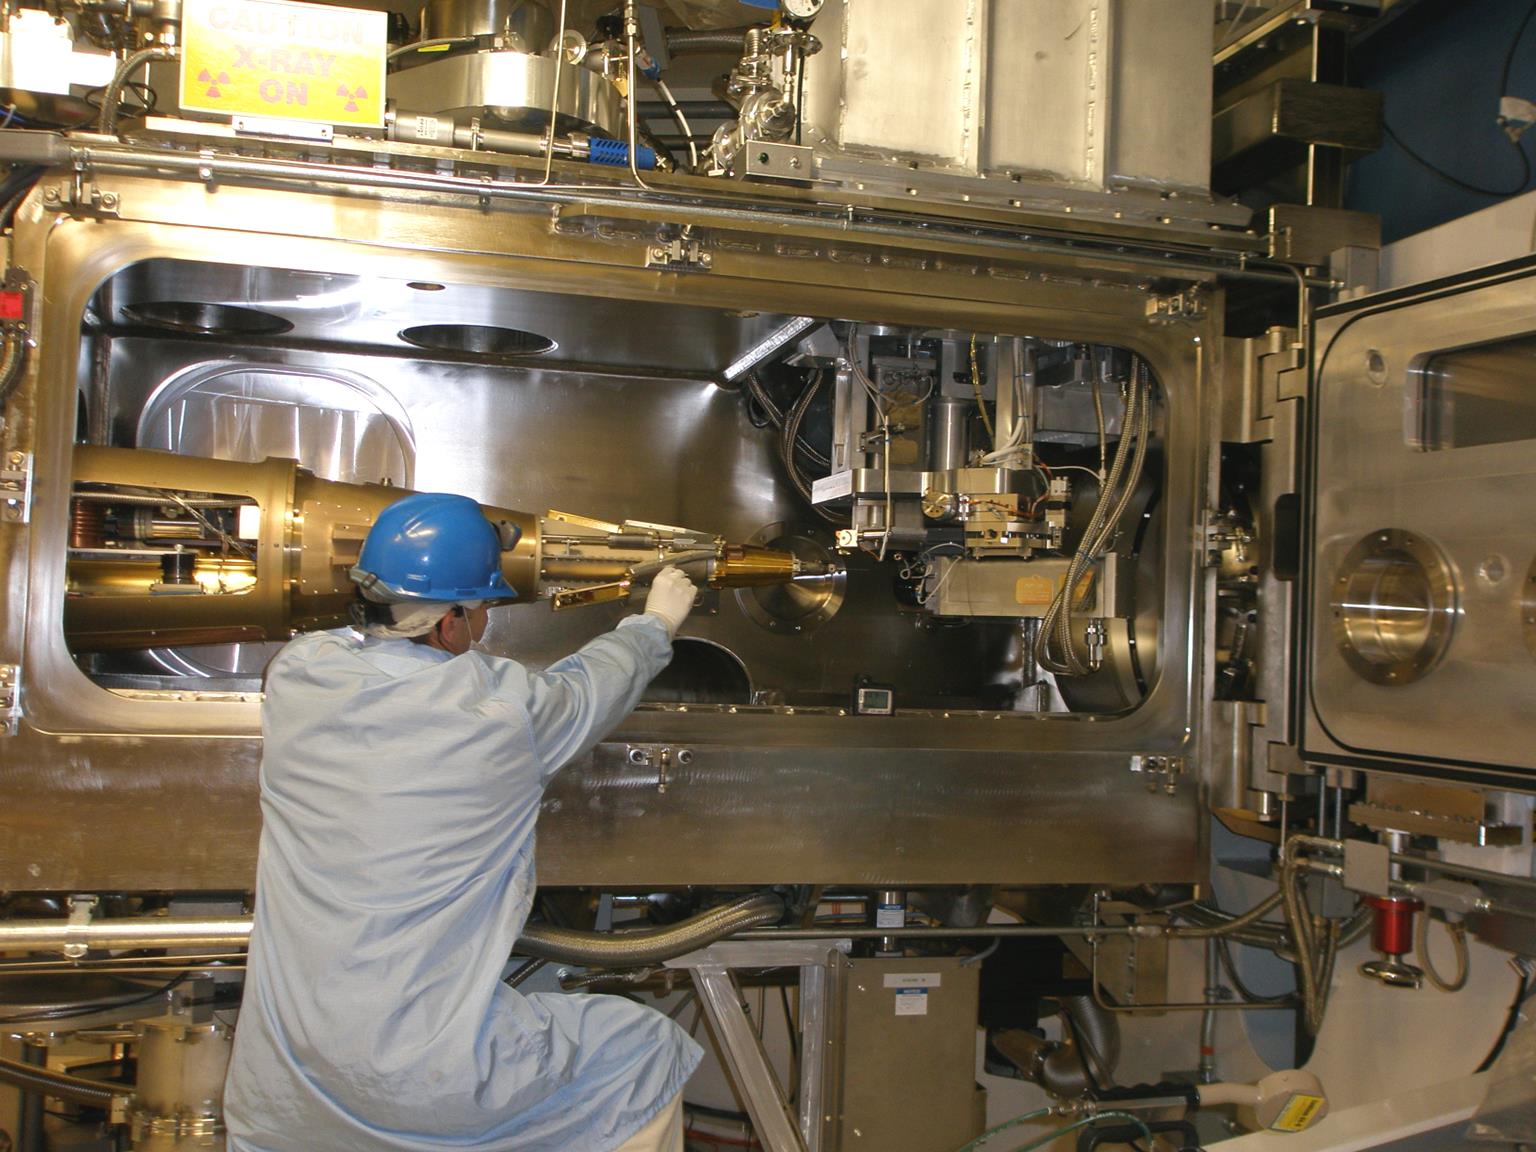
(876, 702)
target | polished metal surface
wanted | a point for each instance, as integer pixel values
(528, 24)
(508, 90)
(1454, 572)
(804, 604)
(788, 788)
(342, 310)
(1394, 607)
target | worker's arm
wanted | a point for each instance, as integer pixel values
(577, 701)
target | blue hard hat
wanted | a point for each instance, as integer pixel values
(432, 546)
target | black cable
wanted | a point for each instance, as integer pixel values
(1525, 162)
(1510, 1021)
(94, 1008)
(1435, 169)
(1509, 56)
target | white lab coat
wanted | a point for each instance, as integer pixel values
(399, 790)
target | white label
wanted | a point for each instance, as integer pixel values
(891, 916)
(911, 1002)
(831, 487)
(913, 980)
(248, 522)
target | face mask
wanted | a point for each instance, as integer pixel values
(476, 643)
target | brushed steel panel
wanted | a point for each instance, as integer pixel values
(1475, 505)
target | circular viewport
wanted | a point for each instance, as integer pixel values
(1394, 605)
(477, 340)
(206, 319)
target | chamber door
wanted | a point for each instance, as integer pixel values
(1421, 590)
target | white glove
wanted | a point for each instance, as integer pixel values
(670, 599)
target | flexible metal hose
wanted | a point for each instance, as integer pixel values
(1057, 623)
(728, 40)
(652, 945)
(1314, 991)
(1421, 948)
(1225, 925)
(107, 123)
(675, 560)
(1073, 1070)
(42, 1082)
(12, 357)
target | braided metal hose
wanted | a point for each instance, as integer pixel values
(650, 945)
(42, 1082)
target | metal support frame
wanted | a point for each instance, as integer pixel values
(777, 1127)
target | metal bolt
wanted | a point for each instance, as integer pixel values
(51, 195)
(109, 199)
(684, 756)
(658, 253)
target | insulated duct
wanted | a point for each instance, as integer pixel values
(649, 946)
(1089, 1062)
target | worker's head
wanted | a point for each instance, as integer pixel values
(428, 566)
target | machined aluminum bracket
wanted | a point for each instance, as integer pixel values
(16, 488)
(780, 1129)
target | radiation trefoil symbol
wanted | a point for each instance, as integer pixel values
(213, 82)
(352, 95)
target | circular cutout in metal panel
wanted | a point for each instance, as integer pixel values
(1394, 607)
(477, 340)
(206, 319)
(803, 604)
(701, 672)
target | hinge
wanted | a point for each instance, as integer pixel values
(684, 254)
(10, 699)
(1162, 772)
(16, 488)
(77, 193)
(1189, 305)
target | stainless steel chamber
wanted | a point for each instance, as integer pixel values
(529, 352)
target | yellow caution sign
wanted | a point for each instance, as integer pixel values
(1298, 1113)
(277, 59)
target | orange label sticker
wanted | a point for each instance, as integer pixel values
(278, 59)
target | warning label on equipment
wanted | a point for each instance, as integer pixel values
(284, 60)
(1298, 1113)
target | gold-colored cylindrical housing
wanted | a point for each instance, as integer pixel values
(742, 566)
(311, 531)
